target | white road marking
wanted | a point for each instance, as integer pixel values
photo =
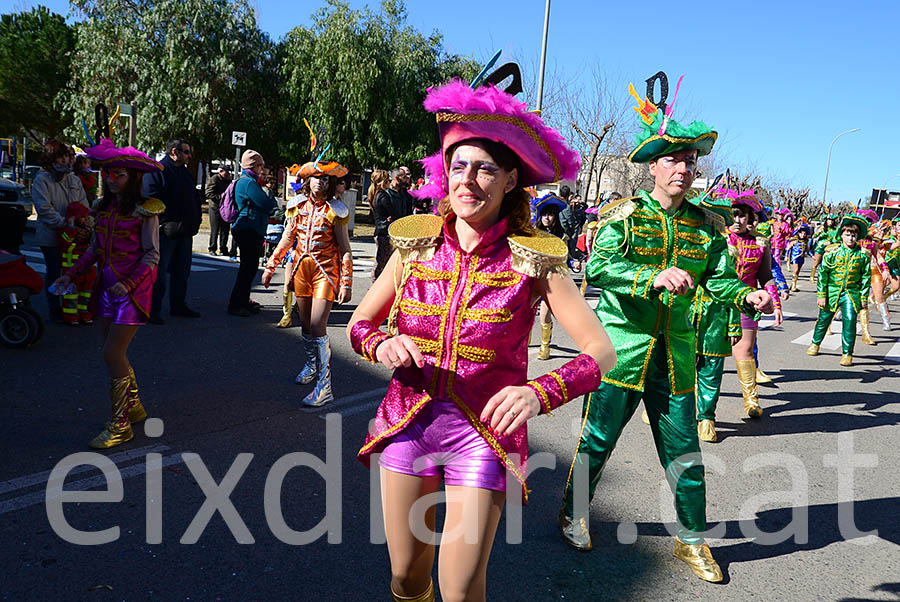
(41, 477)
(831, 342)
(894, 354)
(38, 497)
(344, 402)
(767, 321)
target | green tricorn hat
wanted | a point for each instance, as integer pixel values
(715, 204)
(650, 143)
(856, 220)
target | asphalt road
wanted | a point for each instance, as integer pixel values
(223, 386)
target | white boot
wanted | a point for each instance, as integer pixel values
(885, 316)
(308, 371)
(322, 394)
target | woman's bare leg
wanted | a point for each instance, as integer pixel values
(319, 311)
(469, 530)
(743, 349)
(411, 557)
(116, 339)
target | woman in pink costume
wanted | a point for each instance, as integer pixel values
(460, 295)
(781, 232)
(125, 248)
(754, 268)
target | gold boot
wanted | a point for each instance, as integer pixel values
(118, 430)
(137, 412)
(813, 349)
(700, 559)
(794, 285)
(761, 377)
(706, 429)
(746, 370)
(288, 306)
(546, 335)
(864, 321)
(846, 360)
(426, 596)
(584, 286)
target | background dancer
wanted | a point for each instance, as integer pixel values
(125, 246)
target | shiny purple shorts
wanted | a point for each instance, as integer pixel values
(748, 323)
(440, 441)
(122, 310)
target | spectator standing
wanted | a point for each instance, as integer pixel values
(218, 228)
(254, 207)
(572, 219)
(55, 188)
(180, 221)
(390, 205)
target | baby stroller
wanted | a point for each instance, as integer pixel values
(273, 236)
(20, 325)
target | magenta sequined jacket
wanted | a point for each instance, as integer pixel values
(471, 315)
(754, 262)
(128, 245)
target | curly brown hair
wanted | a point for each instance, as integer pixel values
(516, 204)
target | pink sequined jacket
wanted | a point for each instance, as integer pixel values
(129, 246)
(471, 315)
(781, 231)
(754, 262)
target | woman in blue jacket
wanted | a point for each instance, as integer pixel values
(248, 230)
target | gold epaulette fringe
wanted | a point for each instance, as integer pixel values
(416, 236)
(538, 255)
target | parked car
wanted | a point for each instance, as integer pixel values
(15, 209)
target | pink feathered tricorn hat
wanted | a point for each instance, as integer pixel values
(745, 197)
(106, 154)
(488, 112)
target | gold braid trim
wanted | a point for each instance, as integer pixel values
(457, 118)
(398, 297)
(562, 385)
(399, 426)
(539, 390)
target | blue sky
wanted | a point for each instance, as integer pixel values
(778, 79)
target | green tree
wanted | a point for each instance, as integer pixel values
(196, 68)
(360, 77)
(35, 56)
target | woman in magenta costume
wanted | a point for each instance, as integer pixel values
(781, 231)
(460, 295)
(125, 247)
(754, 268)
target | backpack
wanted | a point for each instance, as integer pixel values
(228, 208)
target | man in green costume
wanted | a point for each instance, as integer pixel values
(649, 255)
(844, 282)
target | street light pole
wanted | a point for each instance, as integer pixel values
(540, 98)
(828, 167)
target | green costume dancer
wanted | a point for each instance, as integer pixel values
(648, 255)
(827, 236)
(845, 278)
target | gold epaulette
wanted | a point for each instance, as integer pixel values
(539, 254)
(832, 247)
(762, 241)
(615, 211)
(149, 207)
(416, 236)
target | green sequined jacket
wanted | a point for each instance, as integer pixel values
(637, 240)
(844, 269)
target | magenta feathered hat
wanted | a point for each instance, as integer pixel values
(747, 198)
(869, 215)
(107, 154)
(487, 112)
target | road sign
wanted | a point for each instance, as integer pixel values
(239, 138)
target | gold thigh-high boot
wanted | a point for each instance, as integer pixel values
(426, 596)
(137, 411)
(546, 335)
(288, 305)
(118, 430)
(746, 370)
(864, 322)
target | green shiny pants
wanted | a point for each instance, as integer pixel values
(673, 422)
(848, 323)
(709, 385)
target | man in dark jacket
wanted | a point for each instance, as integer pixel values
(218, 228)
(174, 186)
(390, 205)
